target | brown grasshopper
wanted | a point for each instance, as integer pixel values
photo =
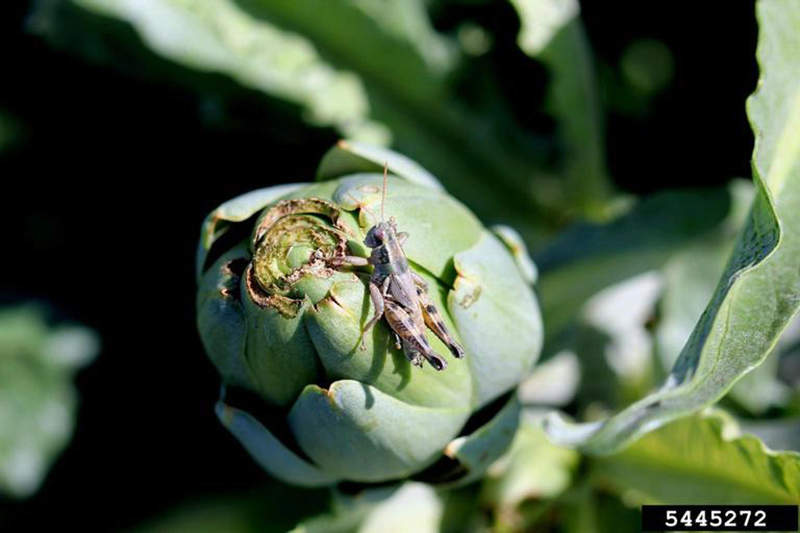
(400, 294)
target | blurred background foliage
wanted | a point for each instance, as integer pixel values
(37, 399)
(612, 137)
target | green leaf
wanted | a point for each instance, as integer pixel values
(613, 344)
(413, 507)
(269, 452)
(490, 294)
(691, 275)
(352, 157)
(689, 281)
(370, 436)
(552, 32)
(384, 76)
(553, 382)
(760, 289)
(591, 257)
(701, 459)
(381, 77)
(533, 468)
(610, 346)
(513, 241)
(37, 399)
(475, 452)
(408, 507)
(220, 36)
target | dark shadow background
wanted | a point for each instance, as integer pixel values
(104, 194)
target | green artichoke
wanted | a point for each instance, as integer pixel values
(325, 402)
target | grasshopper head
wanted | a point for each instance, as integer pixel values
(376, 235)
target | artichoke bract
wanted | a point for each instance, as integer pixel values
(326, 401)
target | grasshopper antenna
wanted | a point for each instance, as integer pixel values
(383, 195)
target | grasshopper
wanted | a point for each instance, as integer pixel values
(400, 294)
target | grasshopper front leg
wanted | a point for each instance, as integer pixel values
(349, 260)
(433, 319)
(377, 295)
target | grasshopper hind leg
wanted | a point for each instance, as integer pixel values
(434, 320)
(435, 360)
(415, 345)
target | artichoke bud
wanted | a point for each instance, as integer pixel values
(280, 317)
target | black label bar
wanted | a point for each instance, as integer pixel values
(719, 518)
